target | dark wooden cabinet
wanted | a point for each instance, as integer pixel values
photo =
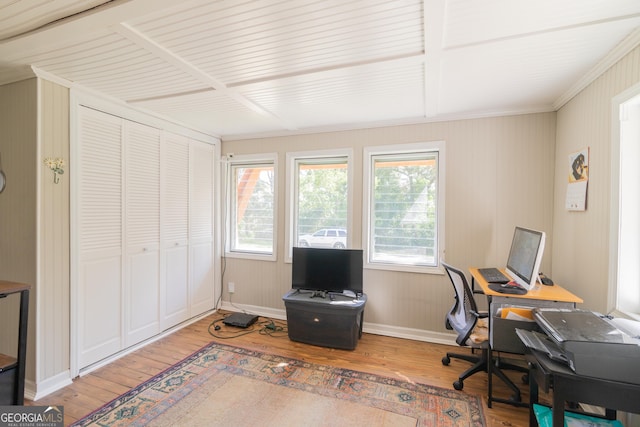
(12, 368)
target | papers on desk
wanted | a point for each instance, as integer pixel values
(523, 314)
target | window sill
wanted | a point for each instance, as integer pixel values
(404, 268)
(625, 315)
(251, 255)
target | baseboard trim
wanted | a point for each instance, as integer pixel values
(33, 391)
(254, 309)
(410, 333)
(371, 328)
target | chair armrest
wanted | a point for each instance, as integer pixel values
(480, 315)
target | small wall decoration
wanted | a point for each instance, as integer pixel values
(56, 165)
(3, 177)
(578, 181)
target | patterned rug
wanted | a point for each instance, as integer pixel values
(223, 385)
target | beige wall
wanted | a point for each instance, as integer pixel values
(499, 173)
(53, 253)
(581, 239)
(18, 146)
(34, 222)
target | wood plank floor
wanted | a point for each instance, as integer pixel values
(399, 358)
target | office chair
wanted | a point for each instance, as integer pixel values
(470, 325)
(472, 329)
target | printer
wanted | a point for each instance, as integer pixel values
(593, 344)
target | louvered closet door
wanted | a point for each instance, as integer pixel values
(201, 227)
(99, 231)
(142, 231)
(174, 249)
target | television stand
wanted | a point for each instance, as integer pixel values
(334, 322)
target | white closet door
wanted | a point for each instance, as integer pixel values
(201, 227)
(174, 249)
(142, 232)
(99, 236)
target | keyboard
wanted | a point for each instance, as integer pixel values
(493, 275)
(507, 288)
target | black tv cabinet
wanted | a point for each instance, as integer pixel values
(324, 319)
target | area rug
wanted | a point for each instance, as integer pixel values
(223, 385)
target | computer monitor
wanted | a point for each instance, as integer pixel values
(525, 256)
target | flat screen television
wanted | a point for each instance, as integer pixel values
(525, 256)
(327, 270)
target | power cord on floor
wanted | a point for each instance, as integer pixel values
(273, 330)
(219, 330)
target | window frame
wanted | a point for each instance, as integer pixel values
(615, 284)
(265, 159)
(292, 188)
(399, 150)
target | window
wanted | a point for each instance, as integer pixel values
(319, 199)
(251, 214)
(625, 211)
(404, 206)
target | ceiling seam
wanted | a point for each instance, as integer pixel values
(161, 52)
(541, 32)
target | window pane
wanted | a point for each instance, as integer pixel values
(252, 216)
(628, 291)
(404, 211)
(321, 203)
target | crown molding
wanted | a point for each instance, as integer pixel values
(620, 51)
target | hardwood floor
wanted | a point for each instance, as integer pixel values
(399, 358)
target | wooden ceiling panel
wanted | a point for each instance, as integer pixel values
(232, 68)
(362, 94)
(212, 110)
(273, 39)
(533, 72)
(469, 23)
(112, 64)
(23, 16)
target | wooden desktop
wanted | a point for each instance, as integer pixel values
(538, 292)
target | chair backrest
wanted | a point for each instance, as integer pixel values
(461, 317)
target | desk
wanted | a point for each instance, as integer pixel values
(570, 387)
(502, 336)
(540, 296)
(12, 369)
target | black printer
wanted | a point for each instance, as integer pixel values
(592, 344)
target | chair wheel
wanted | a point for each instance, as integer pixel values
(446, 360)
(458, 385)
(525, 379)
(515, 397)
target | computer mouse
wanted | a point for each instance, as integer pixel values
(545, 280)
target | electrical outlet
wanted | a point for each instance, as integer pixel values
(232, 287)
